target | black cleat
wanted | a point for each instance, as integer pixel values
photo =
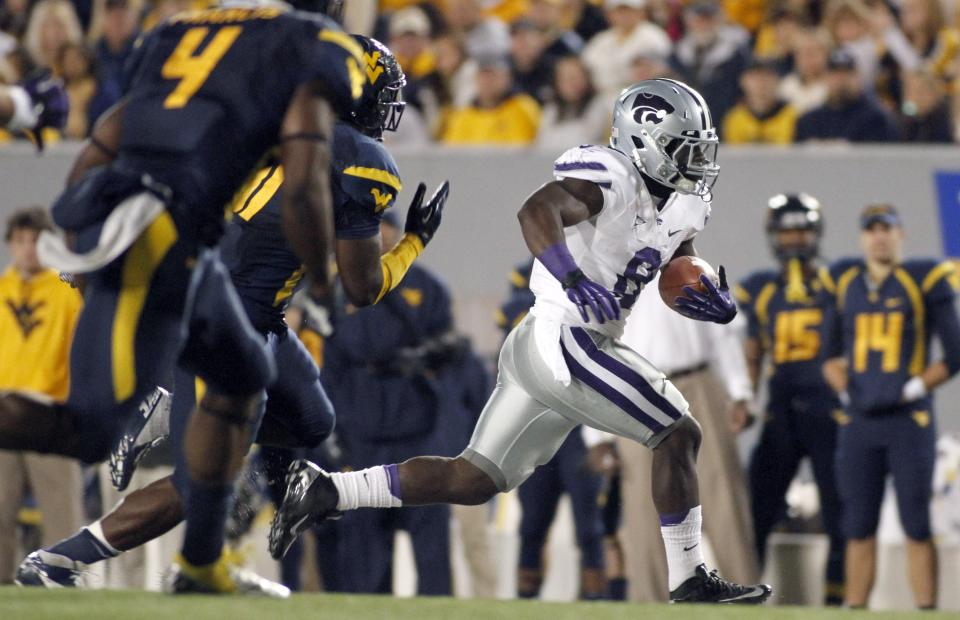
(50, 570)
(310, 497)
(147, 429)
(706, 587)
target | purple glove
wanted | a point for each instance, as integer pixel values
(49, 97)
(581, 290)
(716, 306)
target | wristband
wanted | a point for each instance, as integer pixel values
(395, 263)
(558, 261)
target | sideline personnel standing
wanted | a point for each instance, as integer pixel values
(38, 313)
(878, 340)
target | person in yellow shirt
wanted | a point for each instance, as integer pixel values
(38, 313)
(761, 117)
(498, 116)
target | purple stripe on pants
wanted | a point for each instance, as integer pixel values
(609, 392)
(626, 373)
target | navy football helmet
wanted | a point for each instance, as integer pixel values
(794, 212)
(381, 105)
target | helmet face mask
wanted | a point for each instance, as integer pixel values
(794, 212)
(665, 127)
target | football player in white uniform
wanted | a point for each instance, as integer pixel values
(600, 231)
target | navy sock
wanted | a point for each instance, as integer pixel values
(83, 547)
(207, 508)
(617, 589)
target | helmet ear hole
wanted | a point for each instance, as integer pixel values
(637, 142)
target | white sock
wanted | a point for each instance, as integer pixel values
(684, 551)
(96, 530)
(367, 488)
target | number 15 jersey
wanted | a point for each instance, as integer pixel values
(622, 247)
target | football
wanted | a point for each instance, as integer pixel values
(680, 272)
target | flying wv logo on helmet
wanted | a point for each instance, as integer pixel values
(666, 128)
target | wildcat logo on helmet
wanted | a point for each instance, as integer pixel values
(649, 108)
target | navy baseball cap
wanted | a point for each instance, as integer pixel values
(882, 213)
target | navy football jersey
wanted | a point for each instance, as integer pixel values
(882, 329)
(788, 324)
(264, 268)
(208, 90)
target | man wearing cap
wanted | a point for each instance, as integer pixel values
(498, 115)
(849, 113)
(608, 54)
(761, 117)
(877, 337)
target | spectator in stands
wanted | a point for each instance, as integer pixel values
(849, 113)
(410, 42)
(76, 67)
(761, 117)
(778, 37)
(919, 39)
(548, 15)
(38, 313)
(498, 115)
(575, 114)
(482, 36)
(531, 65)
(711, 55)
(587, 19)
(457, 71)
(631, 33)
(805, 88)
(849, 22)
(925, 114)
(52, 24)
(118, 32)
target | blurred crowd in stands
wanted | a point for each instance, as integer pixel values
(546, 72)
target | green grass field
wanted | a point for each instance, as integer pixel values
(24, 604)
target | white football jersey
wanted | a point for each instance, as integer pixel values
(622, 247)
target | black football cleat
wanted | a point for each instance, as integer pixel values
(50, 570)
(310, 497)
(706, 587)
(148, 428)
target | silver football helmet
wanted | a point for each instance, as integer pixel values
(666, 128)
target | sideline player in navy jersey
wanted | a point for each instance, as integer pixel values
(265, 272)
(784, 310)
(878, 359)
(212, 92)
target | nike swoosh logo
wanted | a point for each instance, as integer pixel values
(673, 232)
(689, 548)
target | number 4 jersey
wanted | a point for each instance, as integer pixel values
(208, 91)
(623, 246)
